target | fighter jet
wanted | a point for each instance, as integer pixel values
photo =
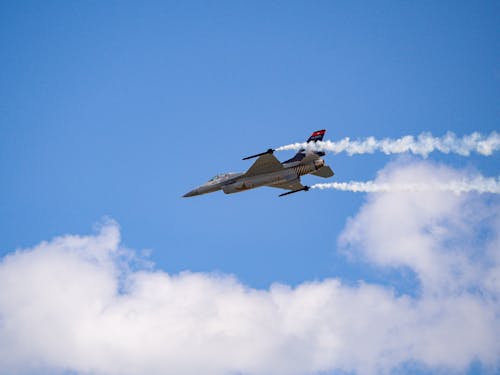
(267, 170)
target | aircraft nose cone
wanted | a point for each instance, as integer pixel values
(192, 193)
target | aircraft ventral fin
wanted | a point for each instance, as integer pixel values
(264, 164)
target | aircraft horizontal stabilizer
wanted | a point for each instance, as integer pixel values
(324, 172)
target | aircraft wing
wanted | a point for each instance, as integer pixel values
(291, 185)
(264, 164)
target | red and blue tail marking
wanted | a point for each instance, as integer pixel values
(317, 136)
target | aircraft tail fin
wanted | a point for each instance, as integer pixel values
(315, 136)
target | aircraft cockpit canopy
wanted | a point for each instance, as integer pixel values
(219, 176)
(222, 175)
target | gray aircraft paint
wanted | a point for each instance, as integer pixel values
(265, 172)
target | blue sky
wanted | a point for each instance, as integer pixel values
(116, 109)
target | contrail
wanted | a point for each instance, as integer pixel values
(479, 184)
(422, 145)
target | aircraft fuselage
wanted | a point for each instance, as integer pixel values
(231, 183)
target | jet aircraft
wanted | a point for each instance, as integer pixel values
(267, 170)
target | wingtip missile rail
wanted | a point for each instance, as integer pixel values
(305, 188)
(269, 151)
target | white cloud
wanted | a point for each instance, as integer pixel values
(72, 303)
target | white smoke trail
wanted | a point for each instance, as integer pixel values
(422, 145)
(479, 184)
